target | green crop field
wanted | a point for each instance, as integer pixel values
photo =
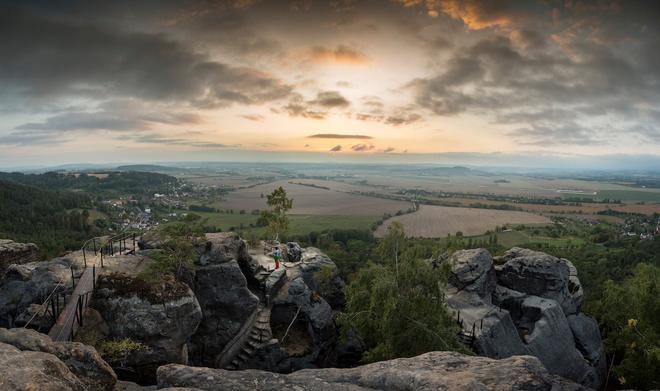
(299, 224)
(630, 195)
(519, 238)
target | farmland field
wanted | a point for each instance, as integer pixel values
(309, 200)
(299, 224)
(438, 221)
(631, 195)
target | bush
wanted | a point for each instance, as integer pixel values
(117, 350)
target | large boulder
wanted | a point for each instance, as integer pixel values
(528, 304)
(16, 253)
(162, 316)
(430, 371)
(82, 360)
(321, 274)
(542, 275)
(472, 271)
(34, 370)
(222, 247)
(28, 284)
(226, 303)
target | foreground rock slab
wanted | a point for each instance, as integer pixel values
(430, 371)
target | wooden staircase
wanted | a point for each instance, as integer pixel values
(259, 335)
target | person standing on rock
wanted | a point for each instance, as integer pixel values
(278, 255)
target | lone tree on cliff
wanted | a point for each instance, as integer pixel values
(177, 253)
(275, 217)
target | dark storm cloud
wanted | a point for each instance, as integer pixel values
(341, 136)
(517, 86)
(45, 57)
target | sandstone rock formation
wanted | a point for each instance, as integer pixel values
(527, 305)
(161, 316)
(16, 253)
(27, 370)
(430, 371)
(227, 304)
(29, 284)
(322, 275)
(81, 361)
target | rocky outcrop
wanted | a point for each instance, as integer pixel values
(82, 360)
(161, 316)
(226, 303)
(528, 304)
(543, 275)
(16, 253)
(221, 247)
(430, 371)
(30, 284)
(28, 370)
(321, 274)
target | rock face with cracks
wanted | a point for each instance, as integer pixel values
(72, 366)
(529, 304)
(16, 253)
(430, 371)
(161, 316)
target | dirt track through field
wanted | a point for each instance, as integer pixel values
(438, 221)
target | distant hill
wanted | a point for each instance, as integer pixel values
(148, 168)
(133, 183)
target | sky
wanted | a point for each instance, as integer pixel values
(343, 80)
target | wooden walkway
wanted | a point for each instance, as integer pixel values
(70, 320)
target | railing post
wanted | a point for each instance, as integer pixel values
(52, 307)
(80, 311)
(101, 256)
(94, 277)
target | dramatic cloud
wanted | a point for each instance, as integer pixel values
(49, 57)
(341, 136)
(253, 117)
(573, 76)
(330, 99)
(341, 54)
(115, 115)
(476, 14)
(362, 147)
(317, 108)
(186, 142)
